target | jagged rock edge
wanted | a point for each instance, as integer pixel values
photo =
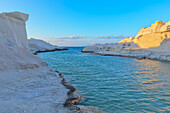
(72, 97)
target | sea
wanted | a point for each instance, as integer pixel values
(114, 84)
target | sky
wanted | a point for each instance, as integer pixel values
(86, 22)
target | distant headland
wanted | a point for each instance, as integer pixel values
(152, 43)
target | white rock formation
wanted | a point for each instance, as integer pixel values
(27, 84)
(151, 36)
(152, 43)
(165, 45)
(157, 27)
(127, 40)
(37, 45)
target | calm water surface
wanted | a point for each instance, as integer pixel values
(115, 84)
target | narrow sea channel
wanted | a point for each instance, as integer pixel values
(114, 84)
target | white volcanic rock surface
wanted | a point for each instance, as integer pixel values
(152, 43)
(36, 45)
(151, 36)
(27, 84)
(158, 26)
(165, 45)
(132, 50)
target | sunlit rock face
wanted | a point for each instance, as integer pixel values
(151, 39)
(151, 43)
(158, 26)
(127, 40)
(153, 35)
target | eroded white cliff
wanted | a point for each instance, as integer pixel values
(37, 45)
(14, 50)
(27, 83)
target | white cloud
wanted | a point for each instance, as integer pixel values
(71, 37)
(83, 40)
(110, 37)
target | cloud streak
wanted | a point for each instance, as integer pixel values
(71, 37)
(100, 37)
(110, 37)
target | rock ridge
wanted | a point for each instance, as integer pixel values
(38, 46)
(150, 43)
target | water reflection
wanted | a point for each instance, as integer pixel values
(153, 82)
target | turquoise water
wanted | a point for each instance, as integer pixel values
(115, 84)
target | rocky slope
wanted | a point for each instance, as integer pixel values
(151, 36)
(27, 83)
(152, 43)
(37, 46)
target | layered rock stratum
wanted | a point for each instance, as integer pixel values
(28, 85)
(152, 42)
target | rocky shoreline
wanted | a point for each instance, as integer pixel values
(73, 98)
(57, 49)
(138, 55)
(152, 43)
(39, 46)
(27, 83)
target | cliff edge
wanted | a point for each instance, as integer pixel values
(37, 46)
(151, 36)
(27, 83)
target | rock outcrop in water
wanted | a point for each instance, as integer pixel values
(37, 46)
(27, 83)
(152, 43)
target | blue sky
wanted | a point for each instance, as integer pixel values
(85, 22)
